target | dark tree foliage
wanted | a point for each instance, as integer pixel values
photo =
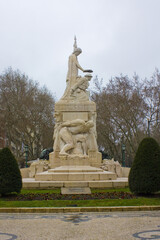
(144, 177)
(10, 176)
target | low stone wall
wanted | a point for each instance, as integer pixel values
(24, 172)
(28, 172)
(125, 171)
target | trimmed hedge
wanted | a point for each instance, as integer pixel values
(10, 176)
(144, 176)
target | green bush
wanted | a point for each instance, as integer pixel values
(10, 176)
(144, 177)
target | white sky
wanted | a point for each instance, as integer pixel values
(116, 36)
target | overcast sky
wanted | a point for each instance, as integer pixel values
(116, 36)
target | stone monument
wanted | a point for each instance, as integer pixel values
(75, 116)
(76, 156)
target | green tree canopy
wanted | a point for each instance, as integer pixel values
(10, 176)
(144, 175)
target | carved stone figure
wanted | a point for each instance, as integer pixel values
(78, 90)
(75, 119)
(74, 81)
(76, 160)
(112, 166)
(77, 134)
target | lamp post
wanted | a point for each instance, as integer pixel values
(149, 122)
(26, 154)
(123, 154)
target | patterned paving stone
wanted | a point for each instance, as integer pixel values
(81, 226)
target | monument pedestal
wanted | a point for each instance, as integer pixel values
(75, 173)
(76, 125)
(92, 159)
(75, 160)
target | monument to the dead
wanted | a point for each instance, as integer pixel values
(75, 129)
(76, 156)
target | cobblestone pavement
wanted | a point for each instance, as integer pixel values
(81, 226)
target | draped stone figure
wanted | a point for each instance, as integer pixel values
(75, 162)
(75, 118)
(76, 85)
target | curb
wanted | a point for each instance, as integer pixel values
(78, 209)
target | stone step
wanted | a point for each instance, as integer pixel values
(29, 183)
(75, 176)
(63, 169)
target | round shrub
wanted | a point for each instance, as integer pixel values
(144, 176)
(10, 176)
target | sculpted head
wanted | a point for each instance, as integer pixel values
(89, 124)
(58, 116)
(88, 76)
(77, 51)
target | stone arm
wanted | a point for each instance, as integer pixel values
(78, 66)
(73, 123)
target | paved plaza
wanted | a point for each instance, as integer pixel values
(81, 226)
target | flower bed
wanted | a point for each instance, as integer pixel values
(57, 196)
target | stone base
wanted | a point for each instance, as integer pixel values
(71, 169)
(92, 159)
(75, 173)
(30, 183)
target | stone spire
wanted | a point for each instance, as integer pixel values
(75, 43)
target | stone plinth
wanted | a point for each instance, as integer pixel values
(30, 183)
(75, 134)
(75, 107)
(92, 159)
(75, 173)
(75, 169)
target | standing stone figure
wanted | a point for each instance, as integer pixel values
(73, 80)
(75, 117)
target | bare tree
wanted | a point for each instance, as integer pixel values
(28, 113)
(120, 115)
(152, 99)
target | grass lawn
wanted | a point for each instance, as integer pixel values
(139, 201)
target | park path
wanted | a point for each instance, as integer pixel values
(142, 225)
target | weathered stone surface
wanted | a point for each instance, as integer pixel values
(112, 166)
(38, 167)
(30, 183)
(91, 174)
(76, 190)
(24, 172)
(66, 106)
(76, 157)
(75, 116)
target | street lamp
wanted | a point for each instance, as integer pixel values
(123, 154)
(148, 130)
(149, 124)
(26, 154)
